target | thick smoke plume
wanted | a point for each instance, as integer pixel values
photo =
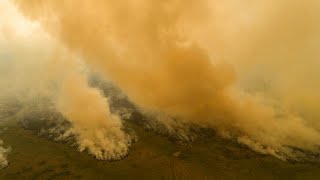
(183, 59)
(33, 67)
(96, 129)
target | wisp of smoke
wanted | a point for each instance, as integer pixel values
(3, 155)
(182, 59)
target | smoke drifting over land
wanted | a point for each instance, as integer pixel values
(35, 66)
(191, 61)
(96, 129)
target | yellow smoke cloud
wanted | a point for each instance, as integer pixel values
(33, 65)
(95, 128)
(175, 57)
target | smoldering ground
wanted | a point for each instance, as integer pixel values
(182, 63)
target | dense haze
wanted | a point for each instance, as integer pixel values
(248, 70)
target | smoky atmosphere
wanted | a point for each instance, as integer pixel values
(149, 89)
